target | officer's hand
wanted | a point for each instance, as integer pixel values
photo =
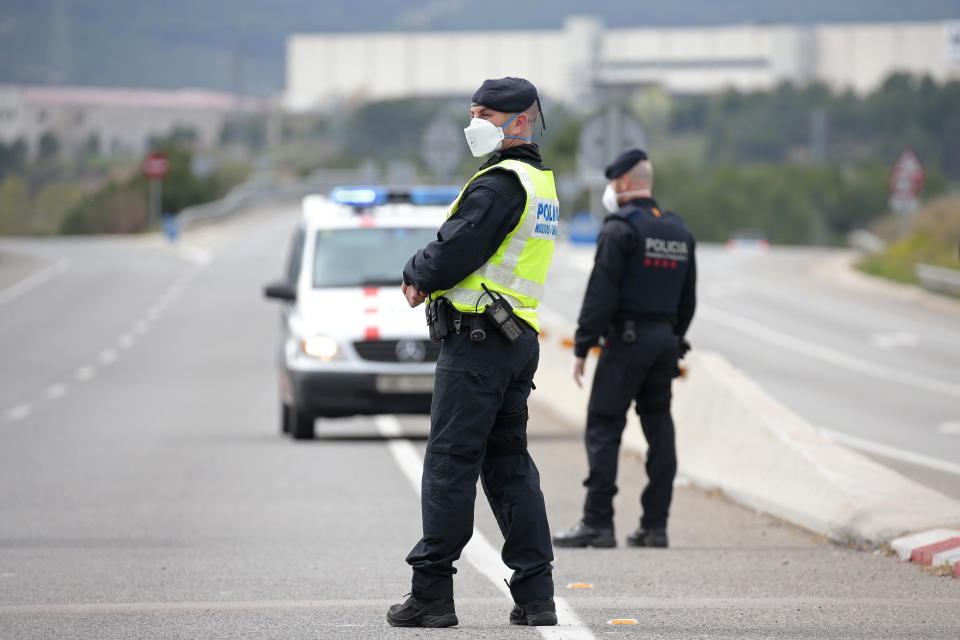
(577, 369)
(413, 296)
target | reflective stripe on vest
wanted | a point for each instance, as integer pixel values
(519, 267)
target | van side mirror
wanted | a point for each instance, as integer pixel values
(280, 291)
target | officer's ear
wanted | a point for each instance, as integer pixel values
(623, 183)
(522, 120)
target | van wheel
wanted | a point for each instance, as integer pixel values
(301, 425)
(285, 418)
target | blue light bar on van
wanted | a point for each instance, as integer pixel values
(358, 196)
(435, 196)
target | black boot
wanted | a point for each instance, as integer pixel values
(641, 537)
(539, 613)
(583, 535)
(429, 613)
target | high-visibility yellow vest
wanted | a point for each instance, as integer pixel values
(518, 269)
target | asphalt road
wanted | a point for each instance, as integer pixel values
(145, 491)
(879, 371)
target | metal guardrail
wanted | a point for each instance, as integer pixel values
(265, 187)
(865, 241)
(939, 279)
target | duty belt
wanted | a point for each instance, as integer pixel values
(443, 319)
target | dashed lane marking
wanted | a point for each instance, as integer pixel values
(951, 428)
(19, 412)
(478, 552)
(894, 339)
(814, 350)
(84, 373)
(56, 391)
(33, 281)
(107, 356)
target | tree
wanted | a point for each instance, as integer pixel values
(13, 157)
(48, 147)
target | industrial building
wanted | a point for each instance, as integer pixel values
(121, 121)
(569, 64)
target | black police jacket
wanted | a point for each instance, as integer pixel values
(644, 268)
(490, 208)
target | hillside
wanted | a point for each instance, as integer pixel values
(239, 45)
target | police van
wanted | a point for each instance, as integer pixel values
(350, 342)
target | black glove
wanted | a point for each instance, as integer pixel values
(684, 347)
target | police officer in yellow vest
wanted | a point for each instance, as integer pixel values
(482, 280)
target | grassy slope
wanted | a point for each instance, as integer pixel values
(934, 240)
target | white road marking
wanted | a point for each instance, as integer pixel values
(723, 289)
(894, 453)
(56, 391)
(949, 428)
(478, 552)
(154, 312)
(826, 354)
(33, 281)
(125, 341)
(19, 412)
(196, 255)
(108, 356)
(894, 340)
(84, 373)
(140, 327)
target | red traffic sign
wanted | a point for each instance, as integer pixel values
(906, 177)
(155, 165)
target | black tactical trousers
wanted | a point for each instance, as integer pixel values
(478, 427)
(641, 371)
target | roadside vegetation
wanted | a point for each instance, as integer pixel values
(804, 164)
(934, 240)
(86, 192)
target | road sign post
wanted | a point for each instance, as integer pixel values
(906, 181)
(441, 148)
(601, 139)
(155, 167)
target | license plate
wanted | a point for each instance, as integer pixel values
(405, 384)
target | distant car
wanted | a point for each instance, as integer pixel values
(748, 240)
(351, 344)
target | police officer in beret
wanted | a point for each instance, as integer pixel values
(640, 299)
(482, 280)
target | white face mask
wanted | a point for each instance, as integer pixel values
(610, 196)
(483, 137)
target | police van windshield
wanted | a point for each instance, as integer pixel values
(365, 257)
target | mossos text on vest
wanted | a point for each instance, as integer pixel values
(548, 215)
(665, 249)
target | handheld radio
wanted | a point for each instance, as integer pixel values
(500, 314)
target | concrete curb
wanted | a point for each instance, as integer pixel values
(732, 436)
(931, 548)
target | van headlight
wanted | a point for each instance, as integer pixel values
(321, 347)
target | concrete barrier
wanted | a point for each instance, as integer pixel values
(733, 436)
(938, 279)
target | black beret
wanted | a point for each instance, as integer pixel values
(506, 94)
(624, 162)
